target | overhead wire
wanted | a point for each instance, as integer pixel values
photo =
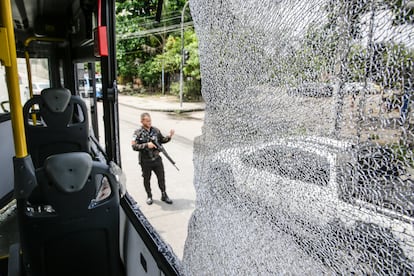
(158, 30)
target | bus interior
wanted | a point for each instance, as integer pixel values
(64, 209)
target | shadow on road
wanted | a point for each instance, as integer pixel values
(178, 204)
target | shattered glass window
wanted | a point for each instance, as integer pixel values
(293, 164)
(306, 161)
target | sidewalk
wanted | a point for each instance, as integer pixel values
(165, 103)
(170, 221)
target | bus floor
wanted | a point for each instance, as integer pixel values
(9, 233)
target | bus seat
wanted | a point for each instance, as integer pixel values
(69, 227)
(55, 122)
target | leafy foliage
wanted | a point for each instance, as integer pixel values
(402, 14)
(385, 63)
(145, 56)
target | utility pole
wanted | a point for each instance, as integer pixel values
(182, 55)
(163, 63)
(163, 57)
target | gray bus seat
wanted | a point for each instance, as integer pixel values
(55, 122)
(68, 227)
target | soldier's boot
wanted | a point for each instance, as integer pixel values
(165, 198)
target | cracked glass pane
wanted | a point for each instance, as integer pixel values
(306, 163)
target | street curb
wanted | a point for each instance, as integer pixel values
(176, 110)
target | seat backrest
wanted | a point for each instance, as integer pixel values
(70, 221)
(55, 122)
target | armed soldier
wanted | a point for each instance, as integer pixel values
(144, 140)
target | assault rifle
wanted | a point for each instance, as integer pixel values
(154, 140)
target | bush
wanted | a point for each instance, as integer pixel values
(191, 90)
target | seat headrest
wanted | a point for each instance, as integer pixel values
(69, 171)
(56, 99)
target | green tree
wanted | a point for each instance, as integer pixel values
(402, 14)
(135, 51)
(172, 60)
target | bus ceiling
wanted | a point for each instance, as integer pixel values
(46, 18)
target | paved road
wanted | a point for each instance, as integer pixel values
(169, 220)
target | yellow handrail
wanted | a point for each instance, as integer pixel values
(27, 56)
(12, 79)
(28, 67)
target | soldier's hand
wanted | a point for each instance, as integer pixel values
(172, 131)
(151, 145)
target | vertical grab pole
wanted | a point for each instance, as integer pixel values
(12, 79)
